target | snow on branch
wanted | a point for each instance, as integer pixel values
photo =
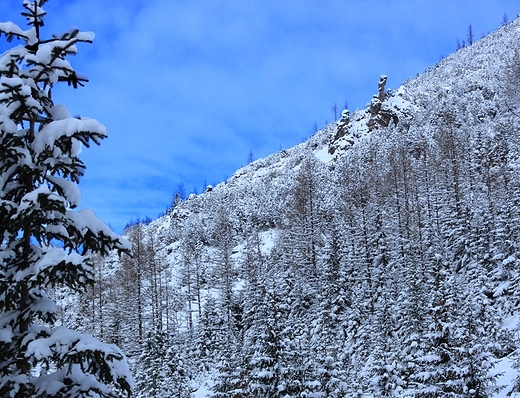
(66, 188)
(87, 223)
(12, 30)
(64, 344)
(84, 129)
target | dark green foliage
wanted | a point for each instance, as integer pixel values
(45, 244)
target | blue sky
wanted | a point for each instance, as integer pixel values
(188, 88)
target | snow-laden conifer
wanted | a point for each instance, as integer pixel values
(44, 241)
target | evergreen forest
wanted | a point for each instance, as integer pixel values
(379, 258)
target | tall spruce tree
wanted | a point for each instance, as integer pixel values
(44, 242)
(161, 372)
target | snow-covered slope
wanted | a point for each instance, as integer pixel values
(381, 252)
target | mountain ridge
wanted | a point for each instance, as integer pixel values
(398, 99)
(380, 260)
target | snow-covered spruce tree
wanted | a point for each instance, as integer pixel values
(44, 242)
(161, 373)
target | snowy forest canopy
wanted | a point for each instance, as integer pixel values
(379, 258)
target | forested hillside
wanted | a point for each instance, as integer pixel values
(378, 258)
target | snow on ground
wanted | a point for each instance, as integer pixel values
(508, 375)
(324, 155)
(204, 390)
(268, 239)
(505, 365)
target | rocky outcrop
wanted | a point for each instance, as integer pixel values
(381, 114)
